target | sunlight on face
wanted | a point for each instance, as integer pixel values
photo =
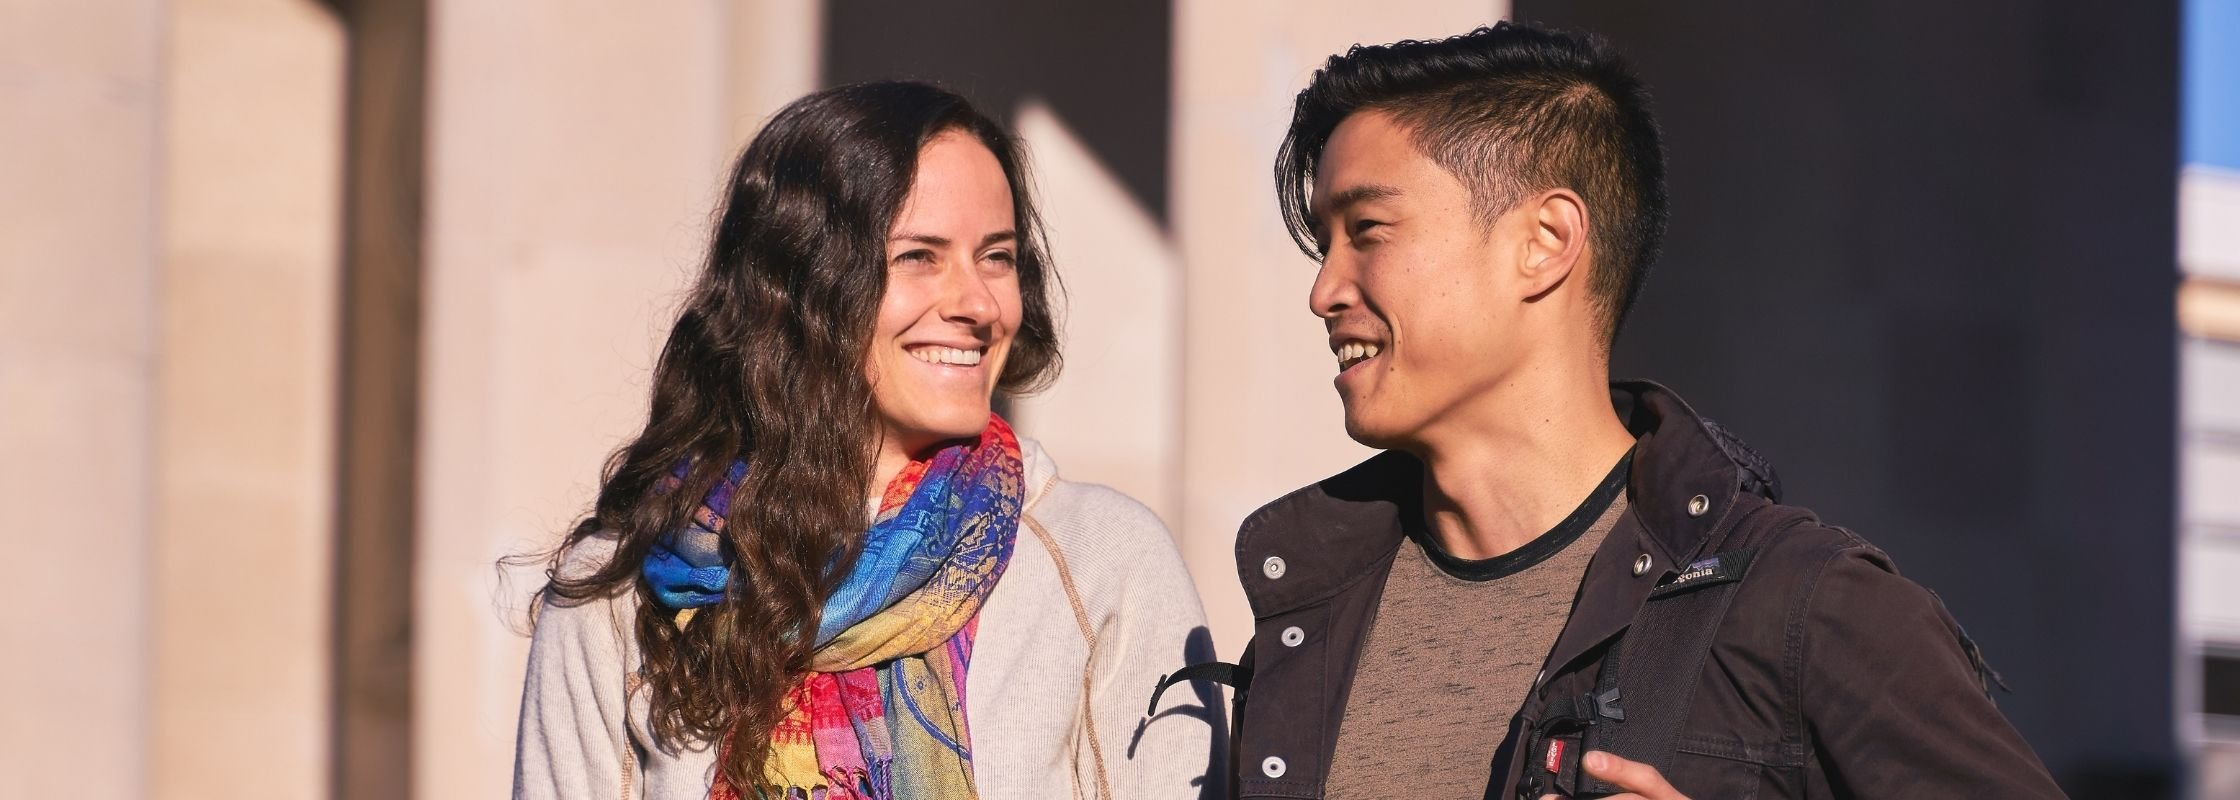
(1420, 311)
(952, 304)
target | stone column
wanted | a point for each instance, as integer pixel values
(82, 85)
(244, 402)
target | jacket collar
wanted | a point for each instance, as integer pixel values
(1337, 531)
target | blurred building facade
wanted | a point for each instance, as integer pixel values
(2209, 418)
(311, 312)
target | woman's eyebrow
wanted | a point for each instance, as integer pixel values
(944, 241)
(921, 238)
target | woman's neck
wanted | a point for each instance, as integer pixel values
(893, 456)
(889, 462)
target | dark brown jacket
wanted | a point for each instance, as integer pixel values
(1831, 675)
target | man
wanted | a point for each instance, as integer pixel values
(1549, 584)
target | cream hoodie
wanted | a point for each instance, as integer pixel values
(1033, 694)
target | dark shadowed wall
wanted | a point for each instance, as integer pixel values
(1922, 257)
(1103, 67)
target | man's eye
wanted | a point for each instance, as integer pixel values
(1364, 226)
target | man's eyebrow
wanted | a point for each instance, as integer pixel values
(1351, 196)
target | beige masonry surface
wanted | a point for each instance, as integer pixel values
(81, 88)
(242, 529)
(166, 296)
(168, 313)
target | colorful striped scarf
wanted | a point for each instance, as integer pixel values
(882, 712)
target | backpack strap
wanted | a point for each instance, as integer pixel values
(1235, 676)
(1662, 661)
(1649, 676)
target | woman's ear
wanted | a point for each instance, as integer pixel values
(1555, 241)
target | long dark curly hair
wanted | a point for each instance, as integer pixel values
(766, 363)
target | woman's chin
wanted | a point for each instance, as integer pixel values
(967, 427)
(923, 436)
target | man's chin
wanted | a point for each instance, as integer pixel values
(1365, 430)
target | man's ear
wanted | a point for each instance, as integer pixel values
(1556, 241)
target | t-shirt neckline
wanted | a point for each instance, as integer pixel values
(1541, 548)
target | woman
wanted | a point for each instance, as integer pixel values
(727, 624)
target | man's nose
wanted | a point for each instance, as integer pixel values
(1334, 289)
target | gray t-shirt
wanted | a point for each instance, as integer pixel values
(1454, 648)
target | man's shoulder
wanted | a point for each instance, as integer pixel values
(1794, 539)
(1806, 572)
(1386, 478)
(1323, 537)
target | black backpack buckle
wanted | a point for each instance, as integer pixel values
(1560, 739)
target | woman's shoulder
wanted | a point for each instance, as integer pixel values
(581, 558)
(1107, 511)
(1119, 556)
(1095, 525)
(1051, 499)
(599, 614)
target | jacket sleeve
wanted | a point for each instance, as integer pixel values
(1895, 705)
(572, 743)
(1158, 626)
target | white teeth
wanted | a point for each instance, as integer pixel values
(951, 356)
(1351, 352)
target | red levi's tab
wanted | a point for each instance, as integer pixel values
(1555, 756)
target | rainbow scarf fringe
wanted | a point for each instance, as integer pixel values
(882, 712)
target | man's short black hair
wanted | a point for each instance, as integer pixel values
(1509, 110)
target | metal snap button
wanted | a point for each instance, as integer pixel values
(1273, 567)
(1641, 564)
(1292, 636)
(1272, 767)
(1698, 504)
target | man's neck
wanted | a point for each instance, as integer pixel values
(1512, 467)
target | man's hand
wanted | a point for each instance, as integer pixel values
(1640, 781)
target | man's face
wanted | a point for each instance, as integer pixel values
(1418, 293)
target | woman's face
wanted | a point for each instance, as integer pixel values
(952, 304)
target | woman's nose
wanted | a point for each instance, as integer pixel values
(969, 298)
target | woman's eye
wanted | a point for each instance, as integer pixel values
(1002, 257)
(916, 256)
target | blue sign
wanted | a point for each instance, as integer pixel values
(2210, 103)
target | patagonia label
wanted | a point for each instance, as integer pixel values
(1722, 568)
